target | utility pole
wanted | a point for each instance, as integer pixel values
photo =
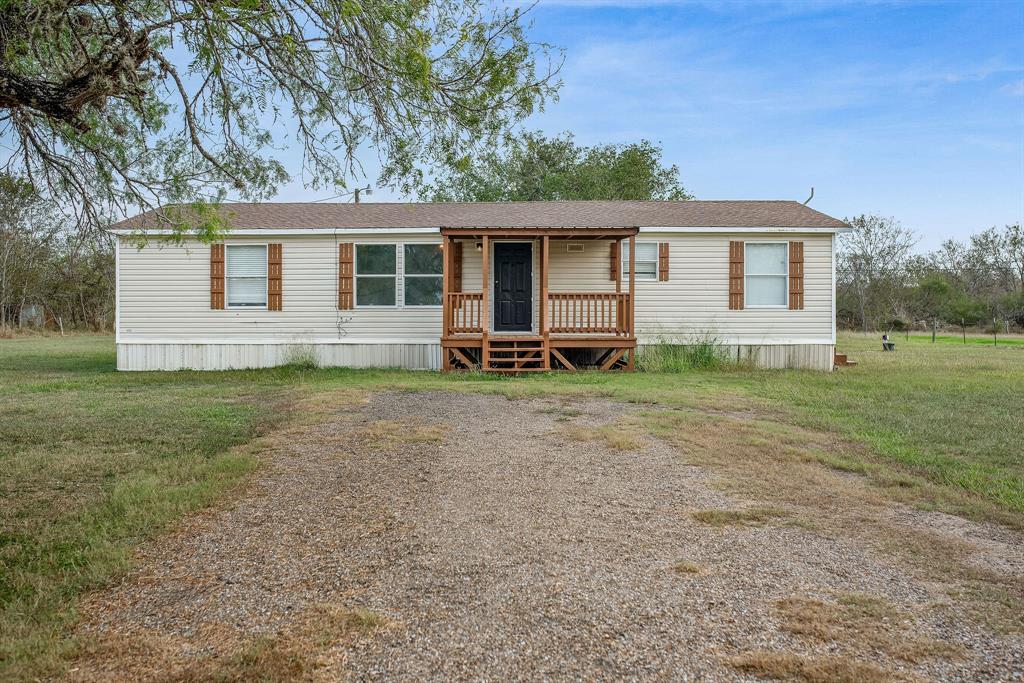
(368, 190)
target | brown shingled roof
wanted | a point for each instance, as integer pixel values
(567, 214)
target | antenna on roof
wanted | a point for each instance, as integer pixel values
(811, 197)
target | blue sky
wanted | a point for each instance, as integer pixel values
(911, 110)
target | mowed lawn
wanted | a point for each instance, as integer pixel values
(93, 461)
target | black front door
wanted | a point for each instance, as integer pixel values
(513, 287)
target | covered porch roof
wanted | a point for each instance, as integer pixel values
(563, 232)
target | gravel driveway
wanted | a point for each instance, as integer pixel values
(472, 537)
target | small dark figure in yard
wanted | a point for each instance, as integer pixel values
(886, 344)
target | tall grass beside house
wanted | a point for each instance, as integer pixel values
(670, 354)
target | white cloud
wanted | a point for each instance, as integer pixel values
(1015, 89)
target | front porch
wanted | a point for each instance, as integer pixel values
(515, 322)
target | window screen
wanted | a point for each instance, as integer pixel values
(246, 275)
(766, 271)
(646, 260)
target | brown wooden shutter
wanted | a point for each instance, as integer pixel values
(616, 251)
(796, 276)
(345, 273)
(736, 276)
(217, 276)
(274, 302)
(456, 266)
(663, 261)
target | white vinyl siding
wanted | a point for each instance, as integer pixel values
(246, 275)
(164, 293)
(646, 261)
(695, 300)
(766, 269)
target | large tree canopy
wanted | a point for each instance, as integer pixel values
(533, 167)
(114, 105)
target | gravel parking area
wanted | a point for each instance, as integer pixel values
(474, 537)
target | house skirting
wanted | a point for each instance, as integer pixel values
(411, 355)
(175, 356)
(780, 356)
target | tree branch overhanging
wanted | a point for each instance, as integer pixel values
(120, 105)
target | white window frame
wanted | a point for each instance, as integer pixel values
(784, 275)
(227, 278)
(625, 262)
(405, 275)
(355, 274)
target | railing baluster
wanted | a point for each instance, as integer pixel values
(574, 313)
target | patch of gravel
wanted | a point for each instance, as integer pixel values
(505, 551)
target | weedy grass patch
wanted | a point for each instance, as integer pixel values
(755, 516)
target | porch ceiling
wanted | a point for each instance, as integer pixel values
(565, 232)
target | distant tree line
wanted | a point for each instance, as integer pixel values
(884, 284)
(50, 274)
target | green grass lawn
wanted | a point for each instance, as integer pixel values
(93, 461)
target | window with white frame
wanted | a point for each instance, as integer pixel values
(246, 275)
(766, 269)
(646, 260)
(421, 267)
(376, 274)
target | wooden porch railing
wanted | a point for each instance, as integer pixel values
(465, 310)
(589, 313)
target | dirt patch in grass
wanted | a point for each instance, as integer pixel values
(786, 666)
(755, 516)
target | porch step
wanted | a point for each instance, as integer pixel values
(512, 371)
(524, 340)
(516, 343)
(514, 354)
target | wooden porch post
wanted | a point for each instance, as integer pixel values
(632, 295)
(618, 268)
(485, 312)
(620, 315)
(446, 252)
(544, 263)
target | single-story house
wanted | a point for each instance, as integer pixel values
(503, 286)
